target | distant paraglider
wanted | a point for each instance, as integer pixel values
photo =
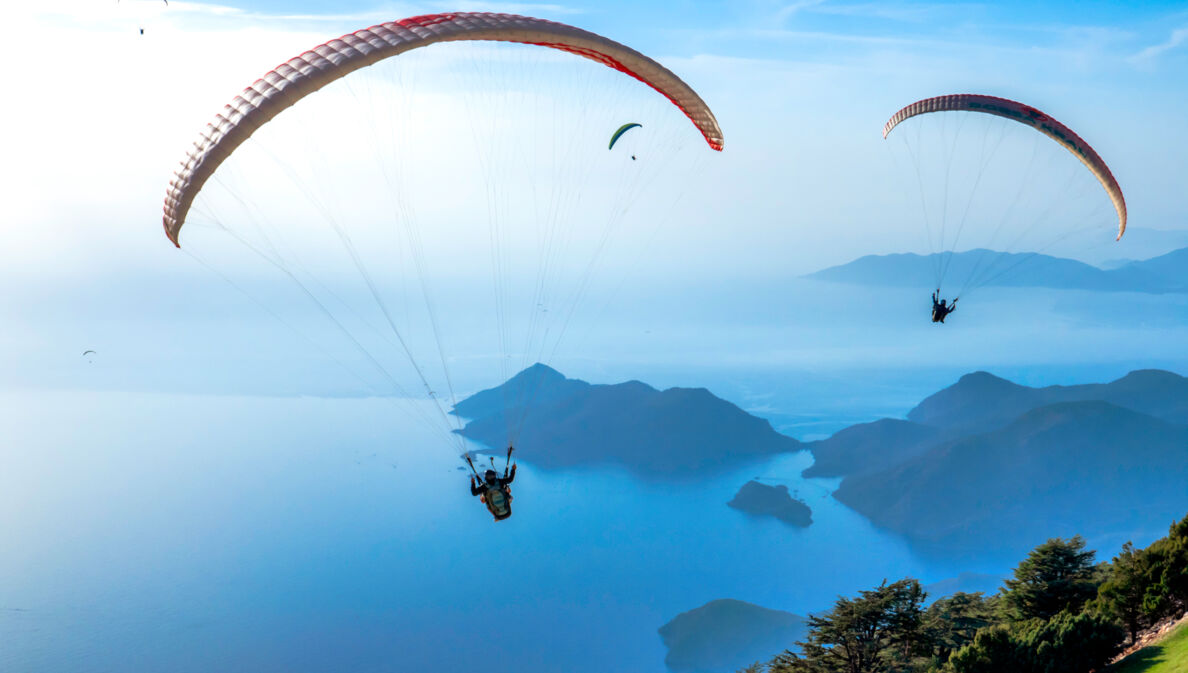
(141, 28)
(997, 189)
(619, 134)
(88, 353)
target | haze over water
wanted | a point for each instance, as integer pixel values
(150, 531)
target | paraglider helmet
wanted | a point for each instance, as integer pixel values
(490, 476)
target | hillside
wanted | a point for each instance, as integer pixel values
(565, 422)
(869, 447)
(1167, 655)
(1171, 267)
(981, 401)
(1066, 468)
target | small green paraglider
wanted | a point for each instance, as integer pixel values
(618, 134)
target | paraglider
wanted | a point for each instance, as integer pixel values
(86, 353)
(141, 28)
(619, 133)
(538, 184)
(494, 491)
(985, 179)
(940, 309)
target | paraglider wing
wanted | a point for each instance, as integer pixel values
(314, 69)
(1032, 117)
(622, 129)
(85, 353)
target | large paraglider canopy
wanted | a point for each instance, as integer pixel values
(375, 175)
(994, 190)
(1024, 114)
(291, 81)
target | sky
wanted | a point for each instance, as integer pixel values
(100, 115)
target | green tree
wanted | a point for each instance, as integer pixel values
(1057, 575)
(994, 649)
(953, 621)
(879, 631)
(1070, 643)
(1124, 592)
(1067, 643)
(1168, 559)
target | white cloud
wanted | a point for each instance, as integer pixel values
(790, 10)
(1178, 37)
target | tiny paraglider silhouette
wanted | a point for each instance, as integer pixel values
(940, 309)
(88, 352)
(142, 27)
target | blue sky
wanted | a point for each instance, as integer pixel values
(801, 91)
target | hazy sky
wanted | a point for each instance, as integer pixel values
(98, 116)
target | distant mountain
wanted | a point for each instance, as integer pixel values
(868, 447)
(1171, 267)
(1003, 269)
(565, 422)
(981, 401)
(774, 501)
(1139, 243)
(1083, 467)
(538, 384)
(725, 635)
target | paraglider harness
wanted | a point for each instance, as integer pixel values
(496, 497)
(939, 310)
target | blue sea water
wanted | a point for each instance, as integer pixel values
(196, 533)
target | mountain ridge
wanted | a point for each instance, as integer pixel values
(983, 267)
(1114, 467)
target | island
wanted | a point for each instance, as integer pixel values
(725, 635)
(556, 422)
(991, 465)
(762, 500)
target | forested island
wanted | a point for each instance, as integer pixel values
(987, 463)
(564, 422)
(761, 500)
